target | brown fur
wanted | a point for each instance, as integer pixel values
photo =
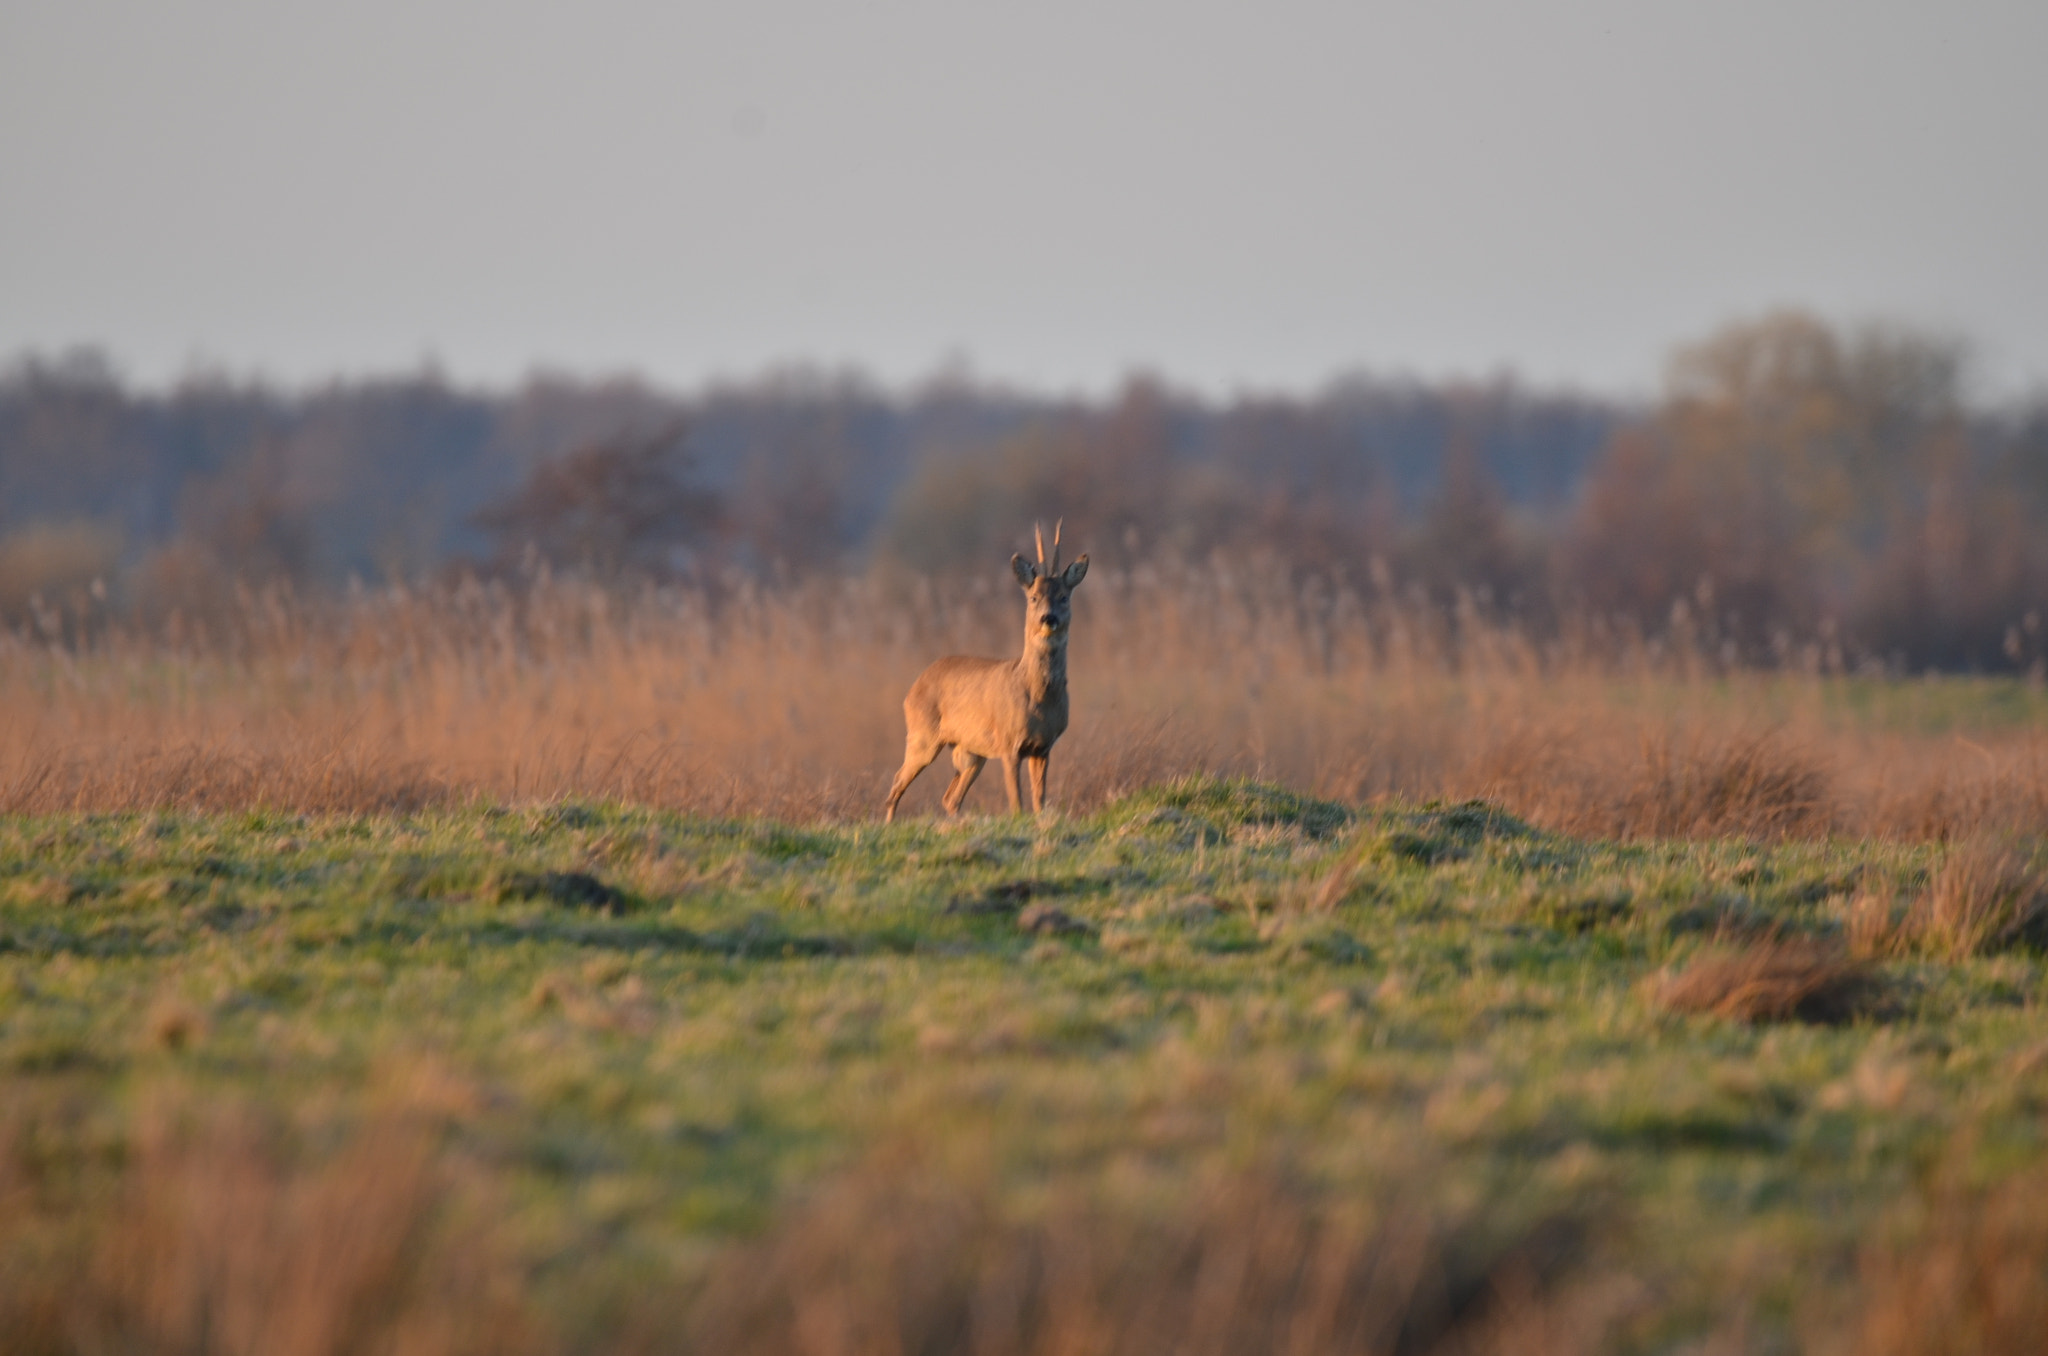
(1011, 710)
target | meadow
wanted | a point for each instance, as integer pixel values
(785, 701)
(523, 970)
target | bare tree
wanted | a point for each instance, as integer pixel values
(619, 506)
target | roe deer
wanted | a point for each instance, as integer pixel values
(1010, 710)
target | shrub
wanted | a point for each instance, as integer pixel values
(1968, 1278)
(1773, 979)
(1984, 897)
(895, 1258)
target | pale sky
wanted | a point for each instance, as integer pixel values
(1244, 195)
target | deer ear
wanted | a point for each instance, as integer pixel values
(1024, 570)
(1076, 571)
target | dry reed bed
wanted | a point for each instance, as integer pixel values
(785, 702)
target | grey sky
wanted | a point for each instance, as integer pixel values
(1246, 194)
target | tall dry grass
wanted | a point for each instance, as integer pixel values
(198, 1228)
(786, 701)
(1961, 1271)
(202, 1228)
(219, 1230)
(1774, 979)
(1985, 896)
(891, 1258)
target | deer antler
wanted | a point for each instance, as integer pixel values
(1056, 545)
(1038, 531)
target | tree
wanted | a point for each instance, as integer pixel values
(1465, 540)
(1787, 458)
(1837, 431)
(620, 506)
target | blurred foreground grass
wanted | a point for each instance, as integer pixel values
(627, 1080)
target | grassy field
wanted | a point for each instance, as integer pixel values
(1214, 1067)
(518, 967)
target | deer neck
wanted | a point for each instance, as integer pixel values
(1044, 666)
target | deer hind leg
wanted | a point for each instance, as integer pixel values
(1034, 768)
(917, 756)
(966, 767)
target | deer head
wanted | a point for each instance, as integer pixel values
(1048, 606)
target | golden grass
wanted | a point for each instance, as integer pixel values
(1965, 1275)
(219, 1236)
(198, 1231)
(198, 1228)
(891, 1258)
(786, 702)
(1984, 896)
(1773, 979)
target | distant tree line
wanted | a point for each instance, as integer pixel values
(1796, 480)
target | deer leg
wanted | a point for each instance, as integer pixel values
(1034, 768)
(966, 767)
(916, 758)
(1010, 761)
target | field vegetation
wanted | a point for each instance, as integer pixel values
(1216, 1066)
(495, 969)
(1527, 875)
(753, 700)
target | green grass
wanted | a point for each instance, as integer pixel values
(652, 1029)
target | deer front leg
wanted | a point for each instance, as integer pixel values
(1034, 767)
(1010, 781)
